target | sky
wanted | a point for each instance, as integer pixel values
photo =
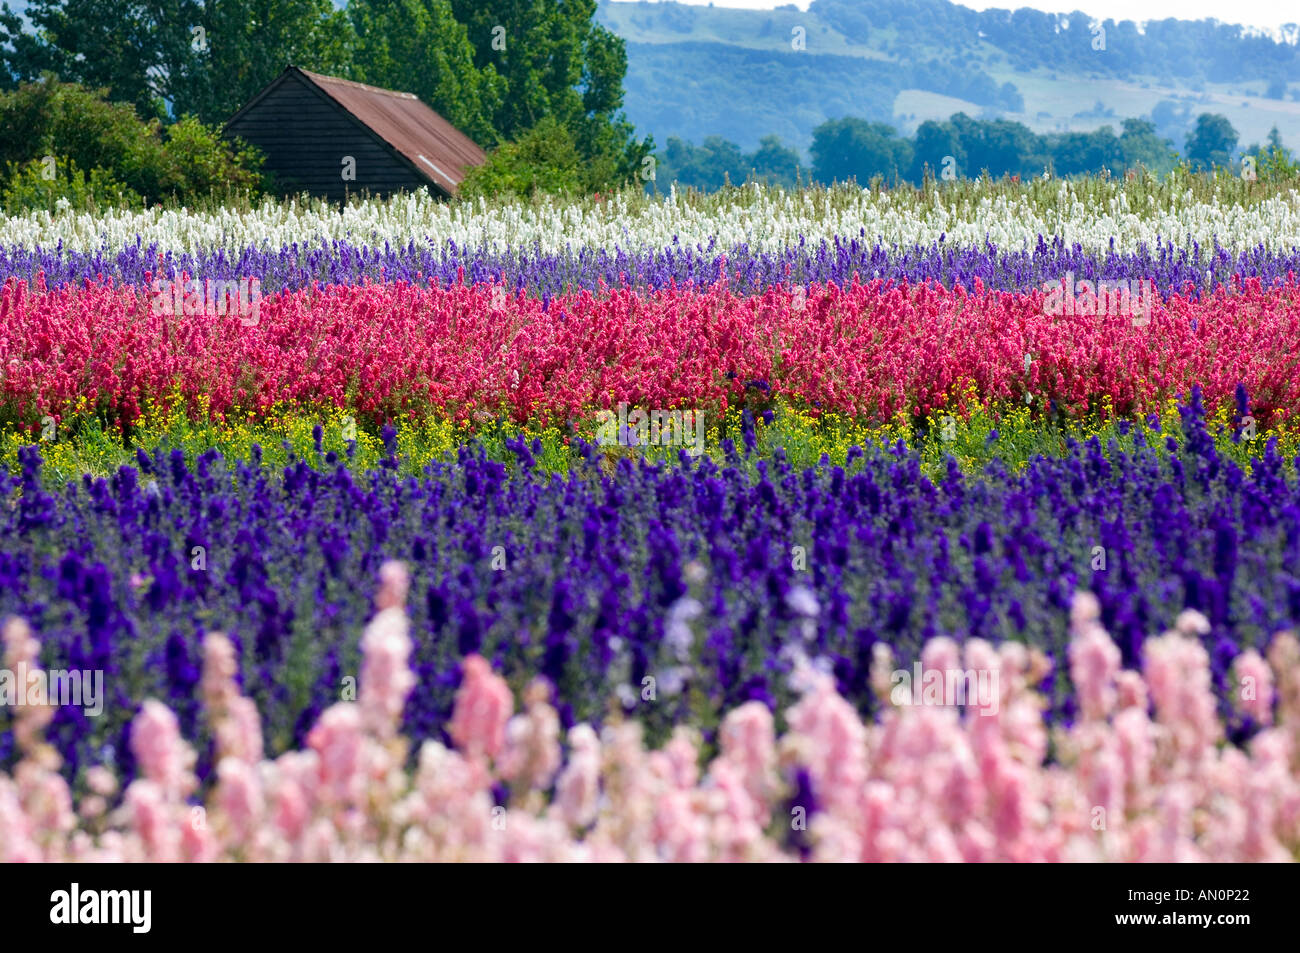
(1262, 14)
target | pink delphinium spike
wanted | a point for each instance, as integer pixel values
(386, 676)
(483, 707)
(1094, 665)
(338, 739)
(747, 739)
(1252, 691)
(164, 758)
(532, 756)
(578, 787)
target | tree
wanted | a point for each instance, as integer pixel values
(542, 161)
(81, 131)
(417, 46)
(935, 142)
(179, 56)
(851, 148)
(1212, 142)
(776, 163)
(999, 146)
(556, 61)
(1141, 145)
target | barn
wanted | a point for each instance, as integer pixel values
(332, 137)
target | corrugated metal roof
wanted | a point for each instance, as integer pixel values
(433, 145)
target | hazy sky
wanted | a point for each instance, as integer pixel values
(1266, 14)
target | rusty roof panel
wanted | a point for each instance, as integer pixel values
(433, 145)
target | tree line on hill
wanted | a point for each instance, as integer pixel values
(1169, 50)
(856, 149)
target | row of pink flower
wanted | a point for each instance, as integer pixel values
(866, 350)
(1144, 774)
(464, 351)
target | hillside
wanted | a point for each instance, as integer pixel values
(698, 71)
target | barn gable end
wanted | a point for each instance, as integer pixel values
(307, 124)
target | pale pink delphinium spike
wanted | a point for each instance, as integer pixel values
(677, 763)
(22, 657)
(386, 676)
(241, 799)
(1136, 747)
(939, 656)
(452, 806)
(1178, 673)
(48, 804)
(1252, 688)
(1094, 665)
(578, 788)
(17, 845)
(882, 668)
(679, 831)
(156, 820)
(836, 745)
(1131, 690)
(748, 739)
(339, 741)
(483, 708)
(236, 725)
(220, 667)
(394, 583)
(1284, 659)
(631, 790)
(532, 750)
(736, 820)
(289, 784)
(163, 756)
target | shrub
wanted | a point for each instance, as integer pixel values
(38, 185)
(79, 127)
(543, 160)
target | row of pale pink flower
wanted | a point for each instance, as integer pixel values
(1144, 773)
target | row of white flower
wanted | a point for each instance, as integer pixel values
(761, 219)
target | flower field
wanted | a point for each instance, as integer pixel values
(908, 461)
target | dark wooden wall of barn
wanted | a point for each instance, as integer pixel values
(305, 138)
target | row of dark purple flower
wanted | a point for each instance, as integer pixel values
(707, 578)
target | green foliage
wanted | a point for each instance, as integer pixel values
(555, 61)
(494, 68)
(858, 150)
(204, 59)
(112, 146)
(44, 185)
(202, 162)
(1212, 142)
(417, 46)
(1276, 163)
(845, 149)
(543, 161)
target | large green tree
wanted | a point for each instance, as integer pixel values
(852, 148)
(1212, 142)
(418, 46)
(199, 57)
(557, 62)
